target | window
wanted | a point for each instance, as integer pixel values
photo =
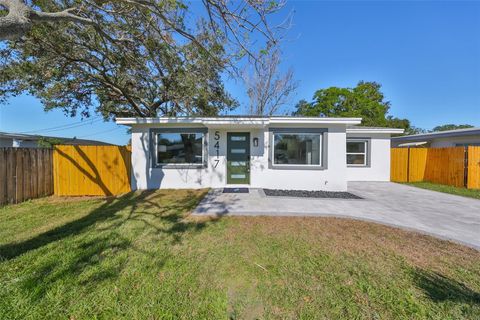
(357, 153)
(179, 148)
(297, 149)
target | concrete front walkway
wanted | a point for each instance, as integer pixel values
(443, 215)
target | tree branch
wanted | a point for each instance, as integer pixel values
(64, 15)
(21, 17)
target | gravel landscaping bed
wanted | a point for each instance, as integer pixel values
(309, 194)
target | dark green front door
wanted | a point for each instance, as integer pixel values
(238, 158)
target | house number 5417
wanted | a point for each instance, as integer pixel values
(216, 146)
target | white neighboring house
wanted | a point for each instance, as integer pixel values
(20, 140)
(297, 153)
(441, 139)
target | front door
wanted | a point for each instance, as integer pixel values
(238, 158)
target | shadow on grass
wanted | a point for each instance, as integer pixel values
(439, 288)
(84, 265)
(99, 252)
(146, 199)
(102, 213)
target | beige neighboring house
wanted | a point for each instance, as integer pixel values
(441, 139)
(18, 140)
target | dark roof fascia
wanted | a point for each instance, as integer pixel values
(428, 136)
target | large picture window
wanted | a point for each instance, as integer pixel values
(179, 148)
(357, 153)
(297, 149)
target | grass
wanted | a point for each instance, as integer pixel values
(141, 257)
(470, 193)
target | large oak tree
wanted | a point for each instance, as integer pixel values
(129, 57)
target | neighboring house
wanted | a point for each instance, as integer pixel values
(18, 140)
(259, 152)
(441, 139)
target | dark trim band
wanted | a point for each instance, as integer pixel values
(298, 130)
(179, 130)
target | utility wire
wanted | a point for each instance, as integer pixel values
(75, 126)
(100, 132)
(67, 126)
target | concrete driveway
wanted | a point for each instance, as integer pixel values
(443, 215)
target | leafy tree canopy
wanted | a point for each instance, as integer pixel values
(446, 127)
(45, 142)
(128, 57)
(365, 101)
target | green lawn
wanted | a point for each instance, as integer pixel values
(142, 257)
(471, 193)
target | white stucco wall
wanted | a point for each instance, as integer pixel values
(379, 162)
(26, 144)
(10, 142)
(333, 178)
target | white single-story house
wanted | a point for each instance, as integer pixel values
(297, 153)
(440, 139)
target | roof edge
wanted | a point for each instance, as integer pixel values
(440, 134)
(375, 130)
(233, 120)
(36, 137)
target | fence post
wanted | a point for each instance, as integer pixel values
(12, 178)
(408, 165)
(3, 176)
(465, 167)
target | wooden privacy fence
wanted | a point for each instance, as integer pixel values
(91, 170)
(457, 166)
(25, 173)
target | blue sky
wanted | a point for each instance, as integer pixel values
(425, 54)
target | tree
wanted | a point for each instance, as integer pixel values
(446, 127)
(267, 88)
(46, 142)
(129, 57)
(21, 17)
(365, 101)
(414, 130)
(231, 19)
(142, 77)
